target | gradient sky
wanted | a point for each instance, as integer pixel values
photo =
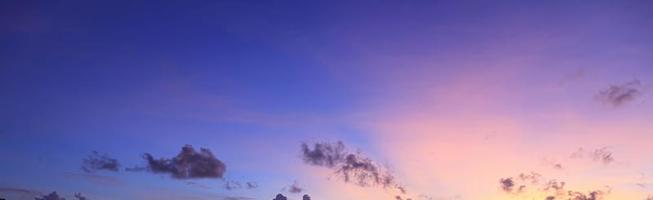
(448, 97)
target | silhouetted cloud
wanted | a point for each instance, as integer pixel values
(349, 166)
(188, 164)
(306, 197)
(294, 188)
(280, 197)
(51, 196)
(617, 95)
(96, 161)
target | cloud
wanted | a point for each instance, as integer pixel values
(97, 161)
(553, 188)
(51, 196)
(306, 197)
(617, 95)
(188, 164)
(350, 167)
(294, 188)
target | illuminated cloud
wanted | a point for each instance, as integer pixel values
(96, 161)
(188, 164)
(617, 95)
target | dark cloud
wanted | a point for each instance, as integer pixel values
(617, 95)
(306, 197)
(96, 161)
(251, 185)
(351, 167)
(294, 188)
(188, 164)
(280, 197)
(553, 188)
(51, 196)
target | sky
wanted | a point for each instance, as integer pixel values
(240, 100)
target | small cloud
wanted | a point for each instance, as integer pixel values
(617, 95)
(96, 161)
(188, 164)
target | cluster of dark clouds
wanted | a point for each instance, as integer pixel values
(554, 189)
(618, 95)
(188, 164)
(96, 161)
